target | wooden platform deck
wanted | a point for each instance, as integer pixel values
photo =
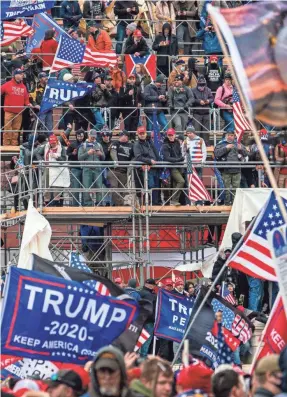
(165, 215)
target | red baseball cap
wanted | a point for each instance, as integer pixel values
(195, 376)
(168, 281)
(179, 281)
(170, 131)
(141, 130)
(137, 33)
(213, 58)
(118, 280)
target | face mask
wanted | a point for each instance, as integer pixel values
(182, 68)
(201, 88)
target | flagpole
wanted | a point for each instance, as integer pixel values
(251, 122)
(211, 289)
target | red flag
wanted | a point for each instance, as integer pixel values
(149, 62)
(274, 338)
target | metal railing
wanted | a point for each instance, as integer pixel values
(69, 184)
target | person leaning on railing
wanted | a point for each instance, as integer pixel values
(126, 11)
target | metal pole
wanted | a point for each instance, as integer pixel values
(133, 223)
(210, 290)
(40, 175)
(147, 221)
(141, 251)
(34, 135)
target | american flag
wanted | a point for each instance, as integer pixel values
(11, 31)
(241, 124)
(144, 335)
(77, 261)
(224, 353)
(196, 189)
(71, 52)
(225, 293)
(254, 256)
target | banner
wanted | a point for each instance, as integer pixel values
(236, 327)
(23, 368)
(274, 337)
(149, 62)
(13, 9)
(172, 315)
(277, 239)
(45, 317)
(41, 23)
(58, 92)
(59, 270)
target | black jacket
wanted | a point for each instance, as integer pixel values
(131, 47)
(145, 151)
(150, 296)
(170, 49)
(97, 9)
(198, 96)
(74, 145)
(127, 100)
(121, 9)
(172, 151)
(261, 392)
(151, 94)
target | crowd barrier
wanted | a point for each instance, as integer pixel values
(47, 183)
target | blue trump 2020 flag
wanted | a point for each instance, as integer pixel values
(50, 318)
(41, 23)
(58, 92)
(13, 9)
(172, 316)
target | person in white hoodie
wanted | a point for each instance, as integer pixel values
(196, 147)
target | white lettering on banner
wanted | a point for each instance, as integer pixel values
(277, 339)
(16, 371)
(64, 95)
(102, 314)
(208, 353)
(25, 340)
(180, 308)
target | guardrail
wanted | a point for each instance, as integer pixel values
(90, 184)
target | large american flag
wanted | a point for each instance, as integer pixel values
(196, 189)
(71, 52)
(254, 256)
(240, 122)
(77, 261)
(226, 294)
(11, 31)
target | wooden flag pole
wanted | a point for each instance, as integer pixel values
(251, 122)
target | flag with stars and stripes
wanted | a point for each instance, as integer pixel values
(227, 295)
(240, 121)
(196, 188)
(144, 336)
(71, 52)
(11, 31)
(77, 261)
(254, 257)
(203, 335)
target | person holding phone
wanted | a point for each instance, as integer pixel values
(91, 150)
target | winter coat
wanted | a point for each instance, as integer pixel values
(83, 154)
(151, 94)
(37, 95)
(180, 99)
(172, 151)
(74, 145)
(202, 96)
(127, 100)
(191, 83)
(100, 40)
(99, 97)
(220, 96)
(140, 390)
(133, 293)
(261, 392)
(222, 153)
(145, 151)
(213, 76)
(150, 296)
(16, 94)
(97, 9)
(48, 50)
(71, 13)
(164, 12)
(215, 3)
(131, 47)
(196, 148)
(210, 40)
(120, 9)
(170, 49)
(119, 78)
(94, 384)
(58, 154)
(191, 14)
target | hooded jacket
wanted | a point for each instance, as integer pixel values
(151, 94)
(180, 98)
(170, 49)
(131, 47)
(210, 40)
(222, 153)
(204, 95)
(145, 151)
(100, 40)
(164, 11)
(140, 390)
(94, 385)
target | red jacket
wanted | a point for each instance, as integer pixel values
(16, 94)
(48, 48)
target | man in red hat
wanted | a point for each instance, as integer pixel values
(136, 45)
(119, 282)
(196, 376)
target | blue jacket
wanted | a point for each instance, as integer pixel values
(133, 293)
(71, 13)
(210, 41)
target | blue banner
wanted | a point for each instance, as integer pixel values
(173, 313)
(58, 92)
(12, 9)
(41, 23)
(50, 318)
